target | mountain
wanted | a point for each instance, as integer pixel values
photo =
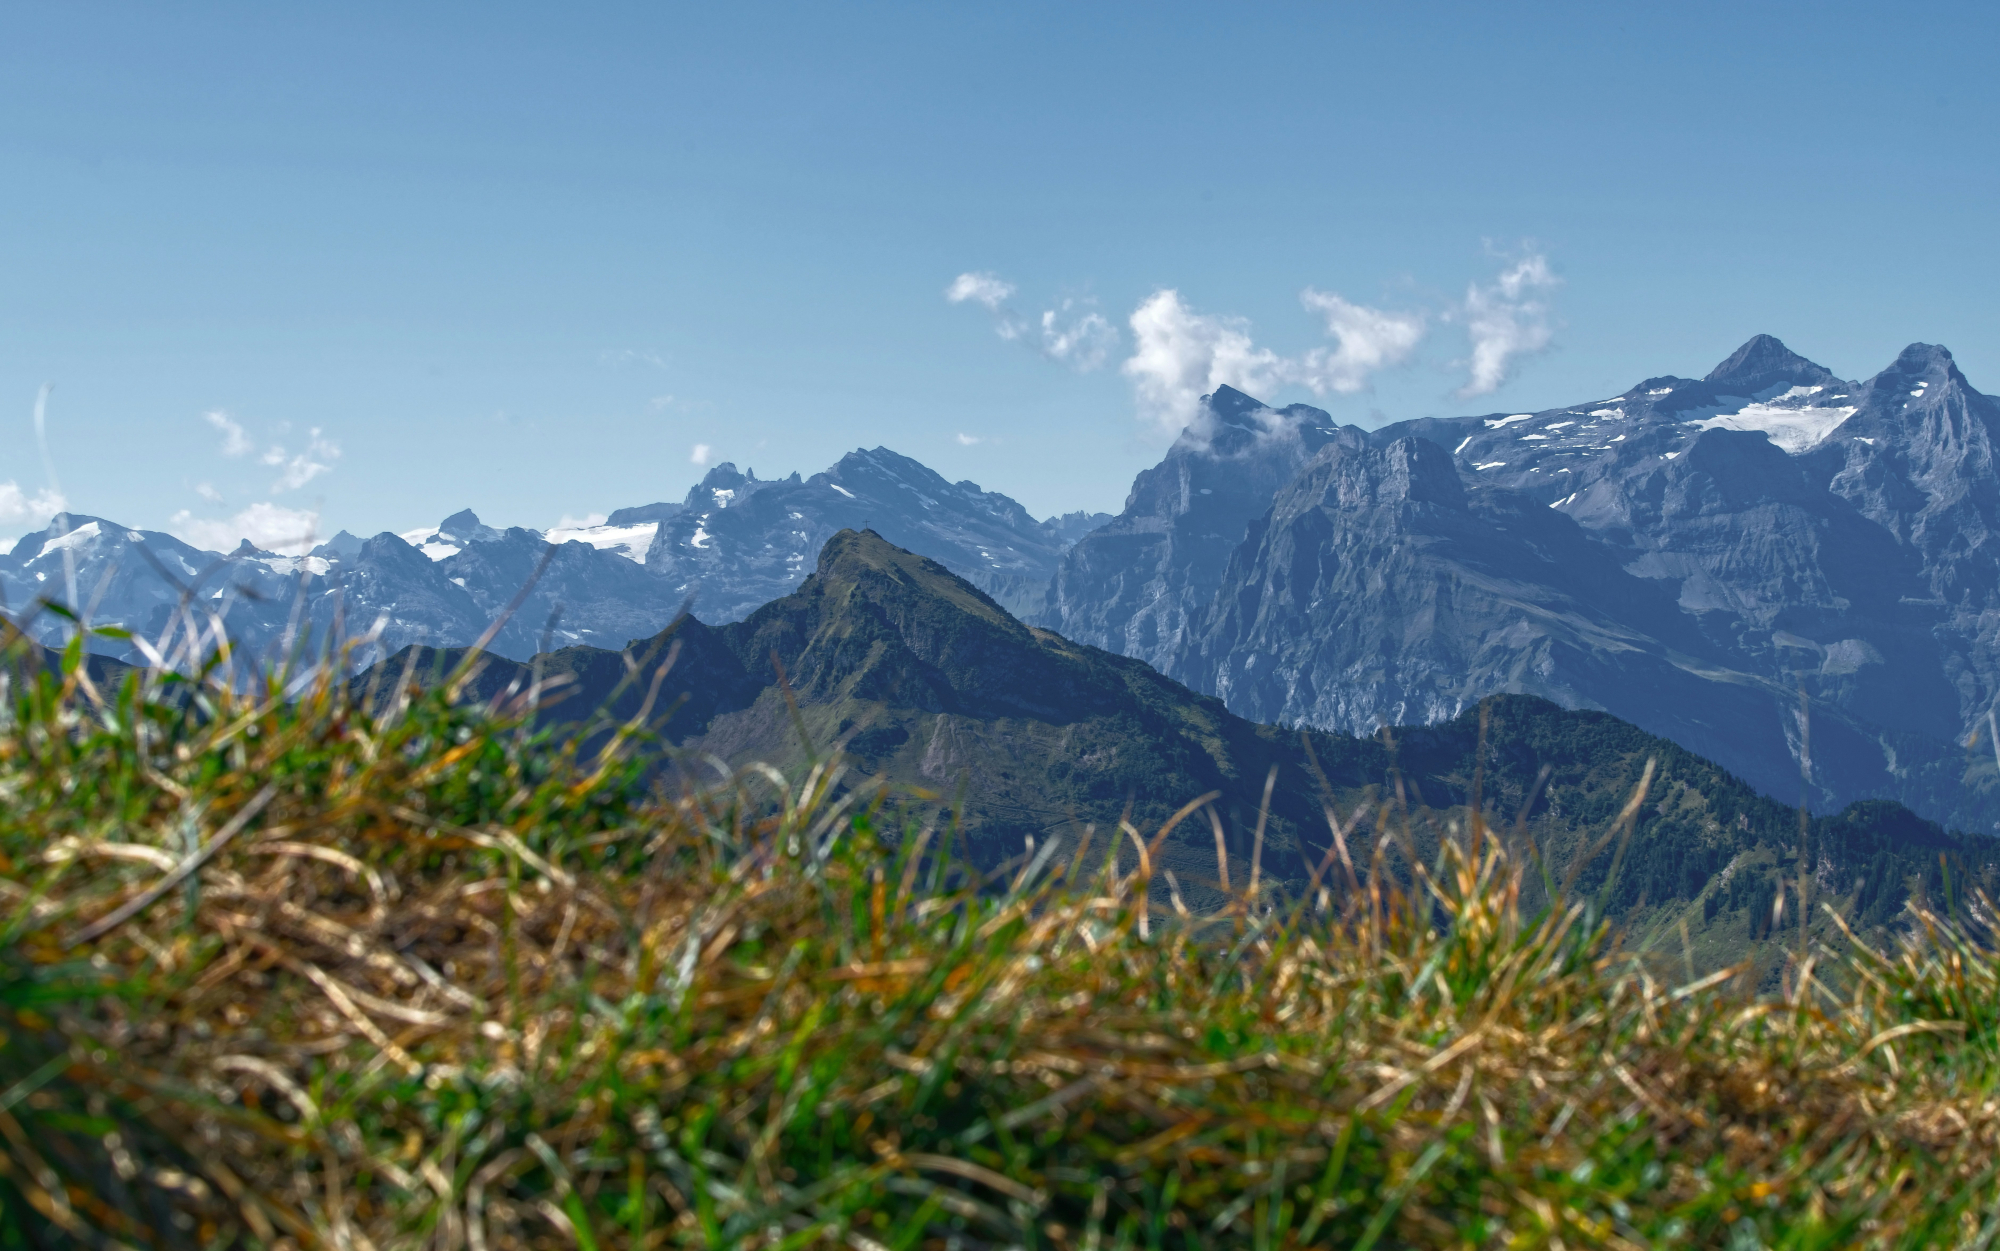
(447, 588)
(739, 542)
(1134, 584)
(1694, 554)
(930, 684)
(736, 542)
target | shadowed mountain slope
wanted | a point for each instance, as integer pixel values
(931, 685)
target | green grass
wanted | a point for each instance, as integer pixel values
(436, 981)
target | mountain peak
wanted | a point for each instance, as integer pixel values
(1925, 358)
(1233, 407)
(465, 526)
(1763, 362)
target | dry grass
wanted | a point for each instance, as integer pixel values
(280, 970)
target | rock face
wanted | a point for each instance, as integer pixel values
(1135, 584)
(1697, 556)
(739, 543)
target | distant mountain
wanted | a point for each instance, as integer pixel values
(1692, 554)
(739, 542)
(736, 542)
(1134, 584)
(929, 684)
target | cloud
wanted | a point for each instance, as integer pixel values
(969, 440)
(701, 454)
(234, 441)
(630, 356)
(1180, 355)
(304, 467)
(1506, 321)
(659, 402)
(1082, 342)
(208, 492)
(1069, 334)
(989, 290)
(18, 507)
(586, 522)
(269, 527)
(1368, 340)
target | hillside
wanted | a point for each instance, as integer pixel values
(925, 682)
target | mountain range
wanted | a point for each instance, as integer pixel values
(1791, 574)
(1024, 739)
(734, 543)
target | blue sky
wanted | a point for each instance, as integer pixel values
(530, 259)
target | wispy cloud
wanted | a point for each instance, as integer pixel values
(1071, 334)
(299, 469)
(1083, 341)
(1180, 355)
(208, 492)
(631, 356)
(988, 290)
(234, 441)
(1366, 341)
(1506, 320)
(969, 440)
(700, 454)
(269, 527)
(17, 507)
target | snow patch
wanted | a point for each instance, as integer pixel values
(1494, 423)
(630, 542)
(843, 490)
(1534, 438)
(1461, 447)
(1619, 413)
(701, 536)
(79, 537)
(1788, 420)
(1491, 464)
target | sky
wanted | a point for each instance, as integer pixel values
(269, 271)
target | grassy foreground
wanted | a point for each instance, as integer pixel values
(278, 970)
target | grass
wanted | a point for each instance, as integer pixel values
(296, 966)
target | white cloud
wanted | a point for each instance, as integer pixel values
(17, 506)
(969, 440)
(586, 522)
(701, 454)
(269, 527)
(1079, 338)
(1504, 321)
(1081, 342)
(1368, 340)
(234, 441)
(659, 402)
(208, 492)
(630, 356)
(302, 468)
(989, 290)
(1181, 355)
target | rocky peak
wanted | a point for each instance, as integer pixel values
(722, 487)
(464, 526)
(1765, 362)
(1230, 407)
